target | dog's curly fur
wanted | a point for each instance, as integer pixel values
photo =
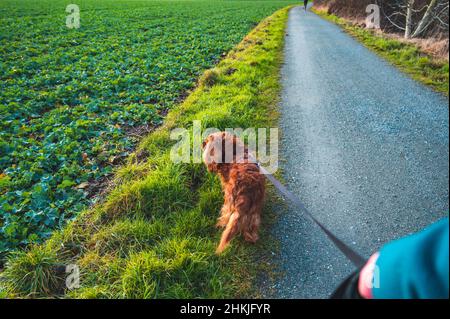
(243, 186)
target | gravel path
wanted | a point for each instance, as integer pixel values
(365, 147)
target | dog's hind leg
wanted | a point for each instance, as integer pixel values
(225, 214)
(229, 232)
(250, 232)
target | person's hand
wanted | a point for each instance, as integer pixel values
(365, 282)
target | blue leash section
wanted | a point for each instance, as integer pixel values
(352, 255)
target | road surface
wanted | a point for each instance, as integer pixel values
(363, 145)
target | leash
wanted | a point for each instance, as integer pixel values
(351, 254)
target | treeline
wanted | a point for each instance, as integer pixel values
(411, 18)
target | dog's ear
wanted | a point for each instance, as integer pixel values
(208, 139)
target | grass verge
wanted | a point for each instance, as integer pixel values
(407, 57)
(154, 235)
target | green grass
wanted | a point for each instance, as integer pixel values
(154, 235)
(407, 57)
(35, 271)
(70, 98)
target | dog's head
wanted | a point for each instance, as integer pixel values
(219, 150)
(214, 150)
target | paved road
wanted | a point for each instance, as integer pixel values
(365, 147)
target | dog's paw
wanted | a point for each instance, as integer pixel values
(220, 250)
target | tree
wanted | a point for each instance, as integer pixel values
(409, 13)
(414, 17)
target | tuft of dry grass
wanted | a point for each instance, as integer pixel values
(209, 78)
(436, 48)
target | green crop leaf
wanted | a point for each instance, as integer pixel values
(66, 183)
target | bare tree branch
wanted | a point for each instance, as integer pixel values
(424, 23)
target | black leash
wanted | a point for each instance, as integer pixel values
(352, 255)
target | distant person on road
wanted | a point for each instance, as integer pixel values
(306, 4)
(414, 267)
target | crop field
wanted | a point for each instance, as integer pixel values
(75, 102)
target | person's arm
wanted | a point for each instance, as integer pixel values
(415, 266)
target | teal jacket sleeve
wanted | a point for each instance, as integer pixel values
(415, 266)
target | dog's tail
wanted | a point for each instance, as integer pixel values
(229, 232)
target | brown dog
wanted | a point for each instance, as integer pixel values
(242, 183)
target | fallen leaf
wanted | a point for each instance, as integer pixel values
(83, 185)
